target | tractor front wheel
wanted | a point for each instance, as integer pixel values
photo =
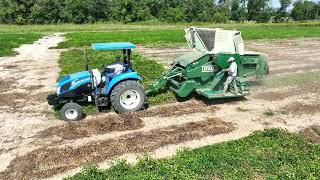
(128, 96)
(71, 112)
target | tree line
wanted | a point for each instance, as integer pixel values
(90, 11)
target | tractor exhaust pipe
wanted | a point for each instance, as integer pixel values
(85, 60)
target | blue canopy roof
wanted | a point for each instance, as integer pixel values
(113, 46)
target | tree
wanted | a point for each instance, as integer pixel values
(174, 15)
(258, 10)
(284, 4)
(238, 13)
(219, 18)
(304, 10)
(15, 11)
(89, 11)
(282, 14)
(46, 12)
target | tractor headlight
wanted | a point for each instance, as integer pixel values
(58, 90)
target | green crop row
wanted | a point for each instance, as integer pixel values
(171, 38)
(142, 26)
(158, 35)
(8, 41)
(269, 154)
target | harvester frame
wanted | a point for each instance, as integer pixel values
(202, 69)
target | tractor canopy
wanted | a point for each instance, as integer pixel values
(124, 46)
(215, 41)
(113, 46)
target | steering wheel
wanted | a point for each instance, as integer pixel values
(104, 67)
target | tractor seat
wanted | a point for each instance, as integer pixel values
(96, 77)
(116, 68)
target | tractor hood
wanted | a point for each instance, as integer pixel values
(73, 81)
(214, 41)
(74, 77)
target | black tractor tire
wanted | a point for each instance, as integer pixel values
(135, 89)
(71, 112)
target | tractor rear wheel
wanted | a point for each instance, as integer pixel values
(128, 96)
(71, 112)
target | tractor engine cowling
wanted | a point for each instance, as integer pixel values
(75, 85)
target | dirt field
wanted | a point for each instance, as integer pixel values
(34, 145)
(287, 56)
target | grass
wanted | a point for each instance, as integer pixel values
(8, 41)
(143, 26)
(269, 154)
(153, 38)
(173, 37)
(148, 33)
(72, 61)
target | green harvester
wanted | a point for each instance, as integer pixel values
(201, 69)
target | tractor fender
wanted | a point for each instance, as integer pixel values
(121, 77)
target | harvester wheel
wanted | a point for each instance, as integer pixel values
(128, 96)
(71, 112)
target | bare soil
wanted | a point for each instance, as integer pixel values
(302, 108)
(75, 130)
(45, 162)
(286, 56)
(122, 122)
(289, 55)
(283, 93)
(312, 133)
(34, 145)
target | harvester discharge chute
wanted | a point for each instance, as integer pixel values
(201, 69)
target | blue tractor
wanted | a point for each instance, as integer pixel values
(116, 84)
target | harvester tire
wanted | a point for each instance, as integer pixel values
(128, 96)
(71, 112)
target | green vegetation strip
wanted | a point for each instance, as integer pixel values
(143, 26)
(271, 154)
(167, 37)
(72, 61)
(8, 41)
(171, 38)
(81, 39)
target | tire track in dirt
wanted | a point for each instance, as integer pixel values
(45, 162)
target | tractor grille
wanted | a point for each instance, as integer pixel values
(207, 37)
